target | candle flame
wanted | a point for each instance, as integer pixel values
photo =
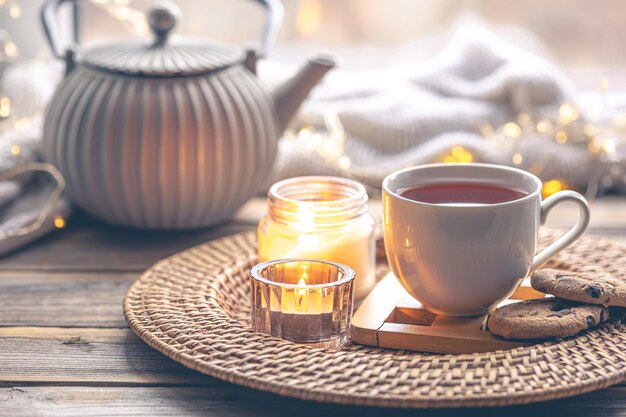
(301, 292)
(304, 277)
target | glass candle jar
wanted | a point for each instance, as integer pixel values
(303, 300)
(322, 218)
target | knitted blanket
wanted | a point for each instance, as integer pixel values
(417, 114)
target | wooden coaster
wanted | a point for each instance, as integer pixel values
(389, 317)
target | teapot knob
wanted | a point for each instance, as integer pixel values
(162, 19)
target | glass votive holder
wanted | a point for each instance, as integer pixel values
(322, 218)
(303, 301)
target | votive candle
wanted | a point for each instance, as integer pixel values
(322, 218)
(303, 300)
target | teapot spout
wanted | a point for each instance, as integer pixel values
(289, 95)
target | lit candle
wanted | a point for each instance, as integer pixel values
(299, 301)
(322, 218)
(301, 294)
(304, 301)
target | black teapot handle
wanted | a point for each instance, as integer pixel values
(274, 9)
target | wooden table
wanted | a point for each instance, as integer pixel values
(65, 348)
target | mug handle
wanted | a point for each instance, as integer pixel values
(568, 238)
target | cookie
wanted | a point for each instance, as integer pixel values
(581, 286)
(543, 318)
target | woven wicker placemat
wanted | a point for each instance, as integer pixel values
(193, 307)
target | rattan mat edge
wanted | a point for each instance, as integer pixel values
(192, 307)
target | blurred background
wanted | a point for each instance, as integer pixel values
(533, 84)
(578, 35)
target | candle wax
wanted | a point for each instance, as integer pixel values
(352, 246)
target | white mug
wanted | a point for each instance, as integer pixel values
(462, 260)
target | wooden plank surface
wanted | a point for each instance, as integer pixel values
(52, 354)
(89, 245)
(229, 400)
(65, 348)
(63, 299)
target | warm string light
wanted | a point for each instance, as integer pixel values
(309, 17)
(458, 154)
(59, 222)
(119, 9)
(544, 126)
(561, 137)
(5, 107)
(565, 127)
(9, 122)
(11, 7)
(14, 11)
(330, 145)
(512, 130)
(568, 113)
(551, 187)
(45, 214)
(8, 49)
(609, 146)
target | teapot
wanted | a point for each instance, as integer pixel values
(167, 134)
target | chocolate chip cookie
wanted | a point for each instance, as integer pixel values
(581, 286)
(546, 317)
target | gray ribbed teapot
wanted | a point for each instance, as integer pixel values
(167, 134)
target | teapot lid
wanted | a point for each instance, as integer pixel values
(162, 57)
